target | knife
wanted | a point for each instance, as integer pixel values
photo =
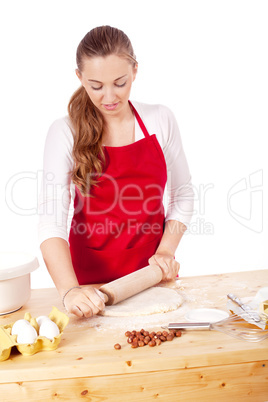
(188, 325)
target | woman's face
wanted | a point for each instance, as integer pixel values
(107, 81)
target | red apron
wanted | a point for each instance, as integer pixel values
(116, 230)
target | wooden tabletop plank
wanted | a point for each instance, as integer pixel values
(88, 351)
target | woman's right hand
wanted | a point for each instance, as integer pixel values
(84, 302)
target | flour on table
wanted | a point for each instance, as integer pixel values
(154, 300)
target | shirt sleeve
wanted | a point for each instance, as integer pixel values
(55, 195)
(180, 195)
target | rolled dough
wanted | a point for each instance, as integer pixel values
(154, 300)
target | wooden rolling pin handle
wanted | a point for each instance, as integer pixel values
(131, 284)
(104, 296)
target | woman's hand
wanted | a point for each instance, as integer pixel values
(170, 267)
(84, 302)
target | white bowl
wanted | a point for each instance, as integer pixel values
(15, 280)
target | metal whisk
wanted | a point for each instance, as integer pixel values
(234, 326)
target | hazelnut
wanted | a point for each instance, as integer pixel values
(158, 342)
(142, 338)
(170, 337)
(152, 343)
(146, 340)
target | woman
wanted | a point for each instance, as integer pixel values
(115, 158)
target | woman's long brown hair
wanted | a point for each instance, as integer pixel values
(86, 120)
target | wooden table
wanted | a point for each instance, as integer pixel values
(201, 365)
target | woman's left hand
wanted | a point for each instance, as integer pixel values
(170, 267)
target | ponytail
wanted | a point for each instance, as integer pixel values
(87, 125)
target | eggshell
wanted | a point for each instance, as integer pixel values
(41, 318)
(27, 335)
(49, 329)
(18, 326)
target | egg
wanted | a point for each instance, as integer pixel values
(42, 318)
(27, 334)
(18, 326)
(49, 329)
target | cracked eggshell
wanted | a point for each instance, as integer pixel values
(49, 329)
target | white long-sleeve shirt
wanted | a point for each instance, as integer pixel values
(57, 190)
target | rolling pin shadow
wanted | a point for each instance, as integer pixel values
(131, 284)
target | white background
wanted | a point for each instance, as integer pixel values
(206, 60)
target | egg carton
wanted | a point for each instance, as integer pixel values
(7, 341)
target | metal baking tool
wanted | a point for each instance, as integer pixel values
(253, 315)
(234, 326)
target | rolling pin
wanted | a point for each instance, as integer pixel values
(131, 284)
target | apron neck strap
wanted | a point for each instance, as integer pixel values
(139, 120)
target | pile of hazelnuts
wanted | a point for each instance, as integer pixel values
(142, 338)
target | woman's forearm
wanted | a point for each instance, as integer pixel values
(57, 257)
(171, 238)
(85, 301)
(164, 255)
